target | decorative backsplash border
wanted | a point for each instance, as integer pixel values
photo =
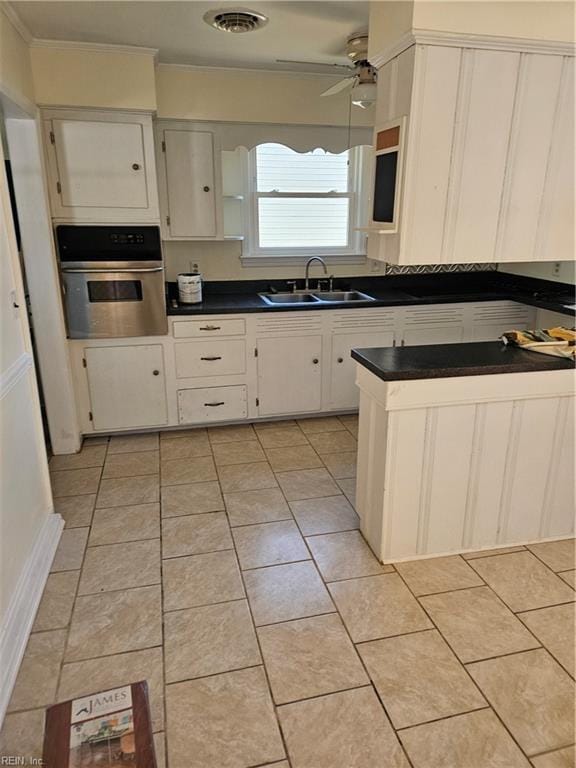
(428, 269)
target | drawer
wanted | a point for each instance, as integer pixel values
(184, 329)
(210, 358)
(211, 404)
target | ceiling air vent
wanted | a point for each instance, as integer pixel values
(236, 20)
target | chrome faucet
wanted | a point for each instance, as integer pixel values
(313, 258)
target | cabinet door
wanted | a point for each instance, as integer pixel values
(189, 157)
(127, 386)
(289, 375)
(482, 123)
(446, 334)
(100, 165)
(440, 324)
(344, 393)
(490, 320)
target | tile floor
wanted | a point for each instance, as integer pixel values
(225, 566)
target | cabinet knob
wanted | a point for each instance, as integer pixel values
(340, 359)
(135, 166)
(156, 373)
(206, 189)
(315, 361)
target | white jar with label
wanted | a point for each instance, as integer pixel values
(190, 288)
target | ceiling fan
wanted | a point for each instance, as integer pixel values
(362, 83)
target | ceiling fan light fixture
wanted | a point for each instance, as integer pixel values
(236, 20)
(364, 95)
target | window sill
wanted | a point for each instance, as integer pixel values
(292, 260)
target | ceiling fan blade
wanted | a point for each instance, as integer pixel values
(314, 63)
(348, 82)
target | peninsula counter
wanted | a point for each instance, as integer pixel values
(463, 447)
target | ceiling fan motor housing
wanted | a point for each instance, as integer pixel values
(357, 48)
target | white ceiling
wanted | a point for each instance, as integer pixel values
(302, 29)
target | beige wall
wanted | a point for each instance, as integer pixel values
(72, 77)
(221, 261)
(389, 21)
(545, 270)
(536, 19)
(189, 93)
(15, 68)
(544, 19)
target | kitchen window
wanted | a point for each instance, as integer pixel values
(306, 203)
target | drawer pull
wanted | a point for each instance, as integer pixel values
(211, 358)
(214, 405)
(209, 327)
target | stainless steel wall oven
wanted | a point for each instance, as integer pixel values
(113, 281)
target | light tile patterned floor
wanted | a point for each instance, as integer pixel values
(225, 566)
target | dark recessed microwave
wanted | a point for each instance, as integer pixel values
(388, 148)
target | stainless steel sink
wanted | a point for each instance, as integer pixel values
(319, 297)
(289, 298)
(342, 297)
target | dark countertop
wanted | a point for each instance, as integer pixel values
(230, 297)
(438, 361)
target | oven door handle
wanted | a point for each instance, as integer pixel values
(108, 271)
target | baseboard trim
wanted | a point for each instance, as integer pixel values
(17, 624)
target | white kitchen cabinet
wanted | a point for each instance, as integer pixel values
(489, 321)
(555, 234)
(446, 334)
(101, 167)
(210, 358)
(442, 324)
(264, 364)
(532, 137)
(344, 394)
(289, 374)
(210, 404)
(488, 158)
(210, 327)
(127, 386)
(190, 182)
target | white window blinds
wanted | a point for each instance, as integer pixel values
(303, 199)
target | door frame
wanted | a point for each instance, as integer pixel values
(25, 148)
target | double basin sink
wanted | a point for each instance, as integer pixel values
(315, 297)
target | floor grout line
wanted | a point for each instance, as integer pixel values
(441, 719)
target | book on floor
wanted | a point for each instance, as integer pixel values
(108, 729)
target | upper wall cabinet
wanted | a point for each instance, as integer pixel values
(487, 172)
(101, 167)
(190, 177)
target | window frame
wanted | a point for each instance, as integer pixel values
(353, 252)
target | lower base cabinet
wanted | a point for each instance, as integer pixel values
(289, 375)
(207, 404)
(344, 394)
(127, 386)
(233, 368)
(451, 334)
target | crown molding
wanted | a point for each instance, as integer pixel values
(16, 21)
(469, 40)
(76, 45)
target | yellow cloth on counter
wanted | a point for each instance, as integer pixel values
(559, 341)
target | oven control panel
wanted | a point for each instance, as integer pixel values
(91, 243)
(126, 238)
